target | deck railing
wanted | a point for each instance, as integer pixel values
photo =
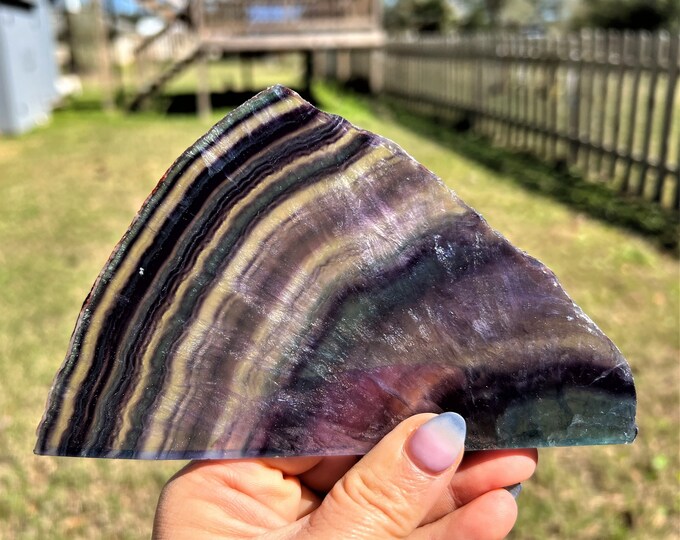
(159, 54)
(243, 17)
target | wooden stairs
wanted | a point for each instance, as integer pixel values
(203, 28)
(157, 84)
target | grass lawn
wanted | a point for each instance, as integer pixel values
(68, 192)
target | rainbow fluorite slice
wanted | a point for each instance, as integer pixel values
(297, 286)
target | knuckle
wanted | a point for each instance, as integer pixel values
(454, 498)
(171, 491)
(387, 504)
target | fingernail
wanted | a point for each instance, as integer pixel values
(436, 445)
(514, 490)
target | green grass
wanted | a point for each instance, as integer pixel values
(233, 74)
(68, 192)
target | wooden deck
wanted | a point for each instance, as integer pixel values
(288, 25)
(301, 42)
(214, 27)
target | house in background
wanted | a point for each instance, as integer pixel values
(28, 70)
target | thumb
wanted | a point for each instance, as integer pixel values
(390, 490)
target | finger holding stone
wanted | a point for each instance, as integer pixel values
(482, 472)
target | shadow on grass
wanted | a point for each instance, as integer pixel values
(597, 200)
(87, 103)
(186, 103)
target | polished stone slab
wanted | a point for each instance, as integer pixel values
(297, 286)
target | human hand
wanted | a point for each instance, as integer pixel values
(410, 485)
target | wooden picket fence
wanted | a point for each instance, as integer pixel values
(606, 103)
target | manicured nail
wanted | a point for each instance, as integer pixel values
(514, 490)
(436, 445)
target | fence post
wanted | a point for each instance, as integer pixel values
(589, 59)
(637, 63)
(105, 74)
(553, 93)
(626, 42)
(479, 98)
(573, 95)
(513, 107)
(649, 120)
(539, 98)
(667, 119)
(309, 71)
(376, 70)
(603, 94)
(524, 69)
(203, 103)
(343, 66)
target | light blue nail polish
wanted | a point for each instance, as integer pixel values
(454, 420)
